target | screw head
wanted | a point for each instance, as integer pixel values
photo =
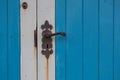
(24, 5)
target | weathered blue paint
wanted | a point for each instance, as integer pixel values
(92, 47)
(13, 40)
(9, 40)
(3, 39)
(106, 40)
(116, 40)
(90, 40)
(60, 41)
(74, 39)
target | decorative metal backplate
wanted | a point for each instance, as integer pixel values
(46, 41)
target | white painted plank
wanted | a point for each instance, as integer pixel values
(46, 11)
(28, 24)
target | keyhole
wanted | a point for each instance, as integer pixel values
(47, 45)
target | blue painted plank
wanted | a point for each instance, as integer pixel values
(106, 39)
(90, 47)
(60, 41)
(74, 40)
(117, 40)
(13, 40)
(3, 39)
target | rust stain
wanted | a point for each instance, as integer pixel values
(35, 48)
(35, 53)
(35, 63)
(35, 60)
(35, 44)
(47, 69)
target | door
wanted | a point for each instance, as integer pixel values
(59, 40)
(90, 49)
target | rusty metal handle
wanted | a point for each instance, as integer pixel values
(58, 33)
(54, 34)
(47, 45)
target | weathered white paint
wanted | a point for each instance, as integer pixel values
(46, 11)
(28, 24)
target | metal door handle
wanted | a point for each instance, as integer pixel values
(49, 35)
(47, 45)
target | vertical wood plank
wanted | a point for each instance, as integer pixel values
(3, 39)
(46, 11)
(91, 39)
(28, 51)
(117, 40)
(60, 41)
(13, 40)
(74, 40)
(106, 39)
